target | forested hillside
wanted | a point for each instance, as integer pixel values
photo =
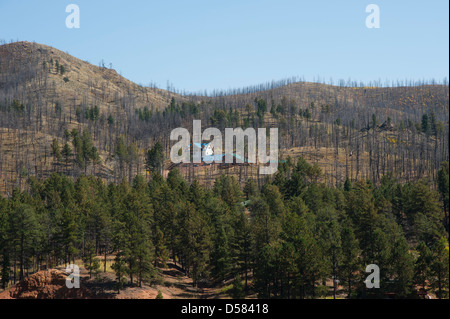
(62, 114)
(85, 176)
(287, 240)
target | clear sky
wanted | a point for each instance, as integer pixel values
(221, 44)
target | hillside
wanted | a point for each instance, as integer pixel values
(29, 72)
(51, 88)
(362, 180)
(51, 284)
(47, 95)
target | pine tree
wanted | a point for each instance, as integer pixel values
(120, 247)
(138, 218)
(121, 270)
(121, 154)
(56, 150)
(228, 189)
(194, 242)
(423, 212)
(221, 256)
(155, 158)
(440, 269)
(380, 254)
(443, 186)
(422, 265)
(241, 246)
(266, 270)
(238, 288)
(250, 189)
(91, 263)
(69, 232)
(161, 253)
(66, 153)
(363, 214)
(329, 238)
(425, 124)
(347, 185)
(24, 234)
(310, 263)
(350, 259)
(374, 121)
(274, 200)
(402, 264)
(5, 263)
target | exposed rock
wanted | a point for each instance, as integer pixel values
(45, 284)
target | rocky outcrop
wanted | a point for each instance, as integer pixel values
(49, 284)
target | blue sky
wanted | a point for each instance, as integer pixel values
(217, 44)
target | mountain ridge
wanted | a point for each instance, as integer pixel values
(47, 95)
(104, 84)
